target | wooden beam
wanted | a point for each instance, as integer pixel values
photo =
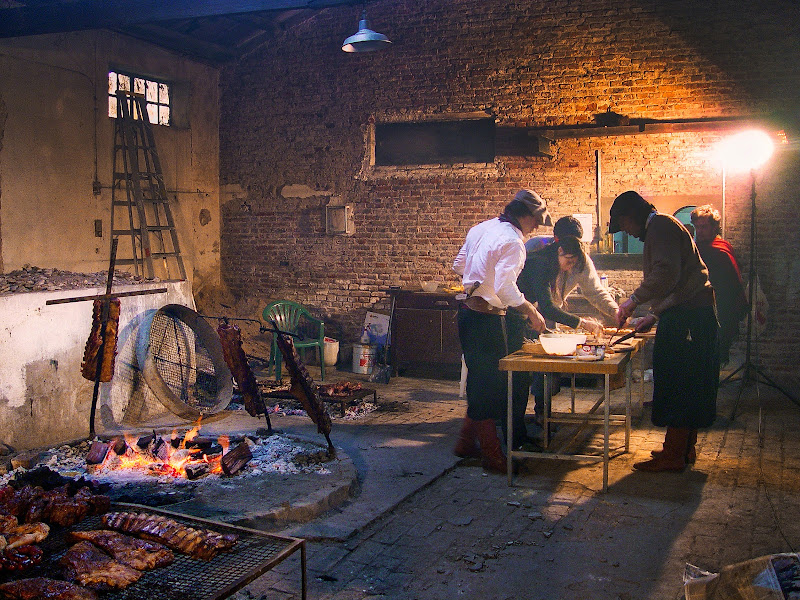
(99, 14)
(181, 43)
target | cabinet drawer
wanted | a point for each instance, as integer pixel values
(422, 300)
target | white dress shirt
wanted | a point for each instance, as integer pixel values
(493, 255)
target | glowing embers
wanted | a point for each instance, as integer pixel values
(190, 456)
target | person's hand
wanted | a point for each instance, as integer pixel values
(535, 319)
(593, 326)
(646, 323)
(624, 311)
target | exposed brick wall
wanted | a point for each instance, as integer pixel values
(298, 111)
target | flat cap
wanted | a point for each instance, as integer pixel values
(535, 204)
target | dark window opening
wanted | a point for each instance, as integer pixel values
(435, 142)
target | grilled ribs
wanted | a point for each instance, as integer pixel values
(32, 504)
(37, 588)
(142, 555)
(199, 543)
(91, 567)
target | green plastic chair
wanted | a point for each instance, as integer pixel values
(294, 318)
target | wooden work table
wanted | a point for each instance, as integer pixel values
(612, 364)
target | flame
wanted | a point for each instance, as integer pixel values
(192, 433)
(224, 441)
(172, 465)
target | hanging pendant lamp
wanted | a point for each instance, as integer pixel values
(365, 40)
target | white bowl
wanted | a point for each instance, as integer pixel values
(561, 344)
(429, 286)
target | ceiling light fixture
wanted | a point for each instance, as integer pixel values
(365, 40)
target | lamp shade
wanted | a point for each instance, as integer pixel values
(365, 40)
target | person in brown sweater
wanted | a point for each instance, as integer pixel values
(685, 352)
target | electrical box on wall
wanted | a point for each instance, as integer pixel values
(339, 219)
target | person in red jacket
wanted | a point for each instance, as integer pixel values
(723, 271)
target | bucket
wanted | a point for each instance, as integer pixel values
(363, 358)
(331, 352)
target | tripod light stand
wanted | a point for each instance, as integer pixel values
(755, 147)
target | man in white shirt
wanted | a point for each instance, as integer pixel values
(489, 263)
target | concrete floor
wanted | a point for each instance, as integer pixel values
(427, 526)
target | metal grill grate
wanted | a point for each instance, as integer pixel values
(186, 578)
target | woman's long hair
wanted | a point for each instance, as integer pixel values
(571, 246)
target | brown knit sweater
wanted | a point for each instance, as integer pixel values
(674, 273)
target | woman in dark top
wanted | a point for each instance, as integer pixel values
(536, 282)
(539, 275)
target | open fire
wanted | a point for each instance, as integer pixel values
(190, 456)
(183, 460)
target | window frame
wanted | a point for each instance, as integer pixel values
(157, 103)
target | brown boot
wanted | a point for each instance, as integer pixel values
(467, 444)
(492, 455)
(673, 456)
(691, 452)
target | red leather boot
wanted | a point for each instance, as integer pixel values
(492, 455)
(673, 456)
(467, 444)
(691, 451)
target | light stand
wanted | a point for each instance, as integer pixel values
(750, 371)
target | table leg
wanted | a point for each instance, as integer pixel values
(510, 429)
(606, 414)
(573, 392)
(640, 404)
(628, 372)
(546, 405)
(303, 576)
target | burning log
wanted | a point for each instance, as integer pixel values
(303, 386)
(118, 445)
(204, 443)
(236, 459)
(196, 470)
(160, 449)
(144, 441)
(97, 453)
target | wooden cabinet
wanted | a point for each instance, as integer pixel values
(424, 340)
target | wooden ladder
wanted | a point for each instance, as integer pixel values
(154, 249)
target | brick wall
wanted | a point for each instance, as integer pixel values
(299, 111)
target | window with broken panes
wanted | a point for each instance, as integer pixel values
(157, 95)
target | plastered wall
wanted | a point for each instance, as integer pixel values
(56, 143)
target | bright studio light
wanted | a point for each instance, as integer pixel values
(745, 151)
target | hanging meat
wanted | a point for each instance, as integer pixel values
(303, 386)
(90, 355)
(235, 358)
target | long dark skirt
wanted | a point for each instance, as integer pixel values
(686, 368)
(484, 344)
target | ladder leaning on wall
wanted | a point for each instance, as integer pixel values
(143, 205)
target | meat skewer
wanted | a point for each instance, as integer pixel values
(235, 358)
(90, 368)
(303, 386)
